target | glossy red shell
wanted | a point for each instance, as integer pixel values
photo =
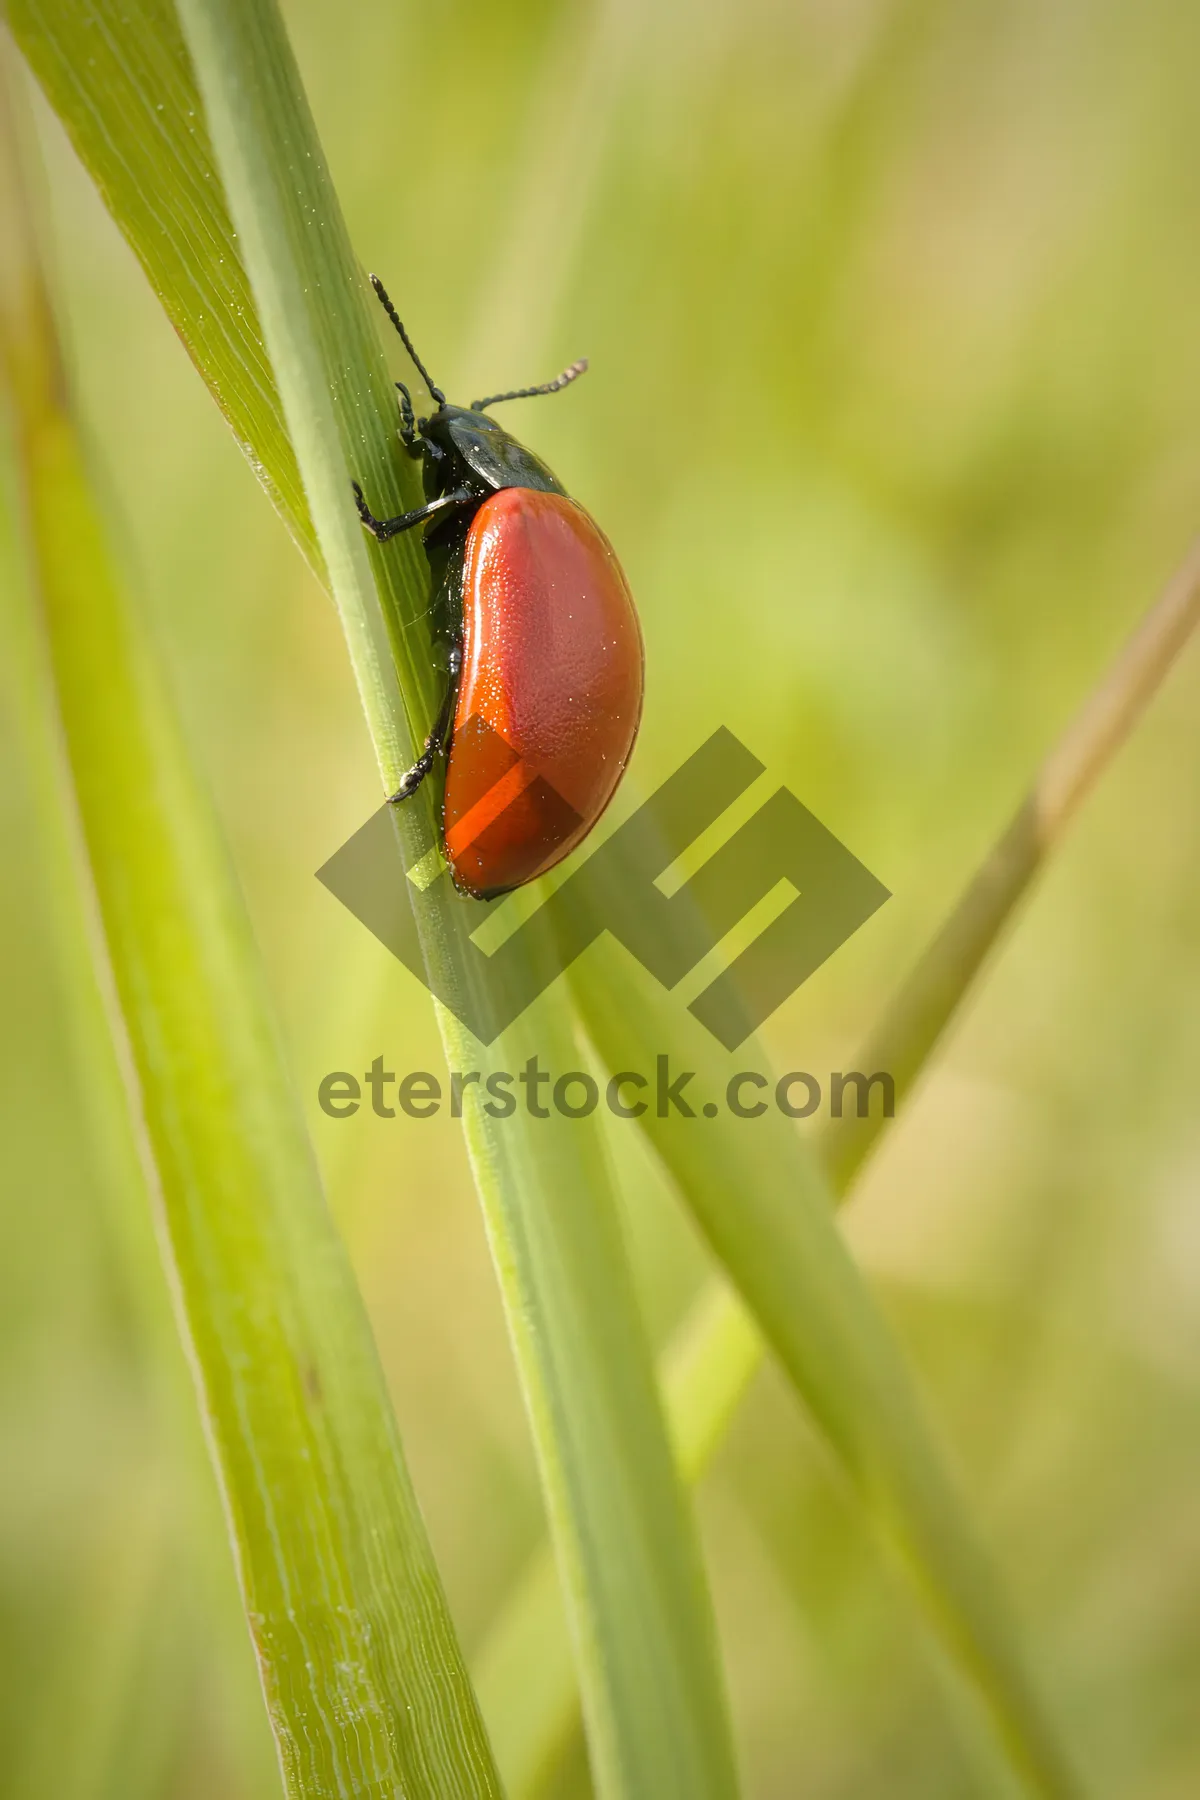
(551, 691)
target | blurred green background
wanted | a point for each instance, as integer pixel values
(894, 419)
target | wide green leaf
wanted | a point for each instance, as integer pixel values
(362, 1673)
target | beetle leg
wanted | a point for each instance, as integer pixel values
(435, 743)
(386, 528)
(409, 434)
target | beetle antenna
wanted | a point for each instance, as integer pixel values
(547, 387)
(394, 316)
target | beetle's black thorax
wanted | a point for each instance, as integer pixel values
(468, 449)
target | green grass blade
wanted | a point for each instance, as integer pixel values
(523, 1672)
(362, 1673)
(641, 1621)
(778, 1241)
(717, 1349)
(917, 1017)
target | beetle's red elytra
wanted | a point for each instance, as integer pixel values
(543, 647)
(553, 664)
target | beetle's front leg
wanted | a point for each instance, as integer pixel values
(409, 434)
(383, 529)
(435, 743)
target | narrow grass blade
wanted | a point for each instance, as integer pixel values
(914, 1022)
(363, 1677)
(779, 1243)
(641, 1621)
(717, 1349)
(523, 1673)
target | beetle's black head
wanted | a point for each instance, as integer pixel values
(457, 440)
(439, 425)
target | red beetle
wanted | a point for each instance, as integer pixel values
(545, 659)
